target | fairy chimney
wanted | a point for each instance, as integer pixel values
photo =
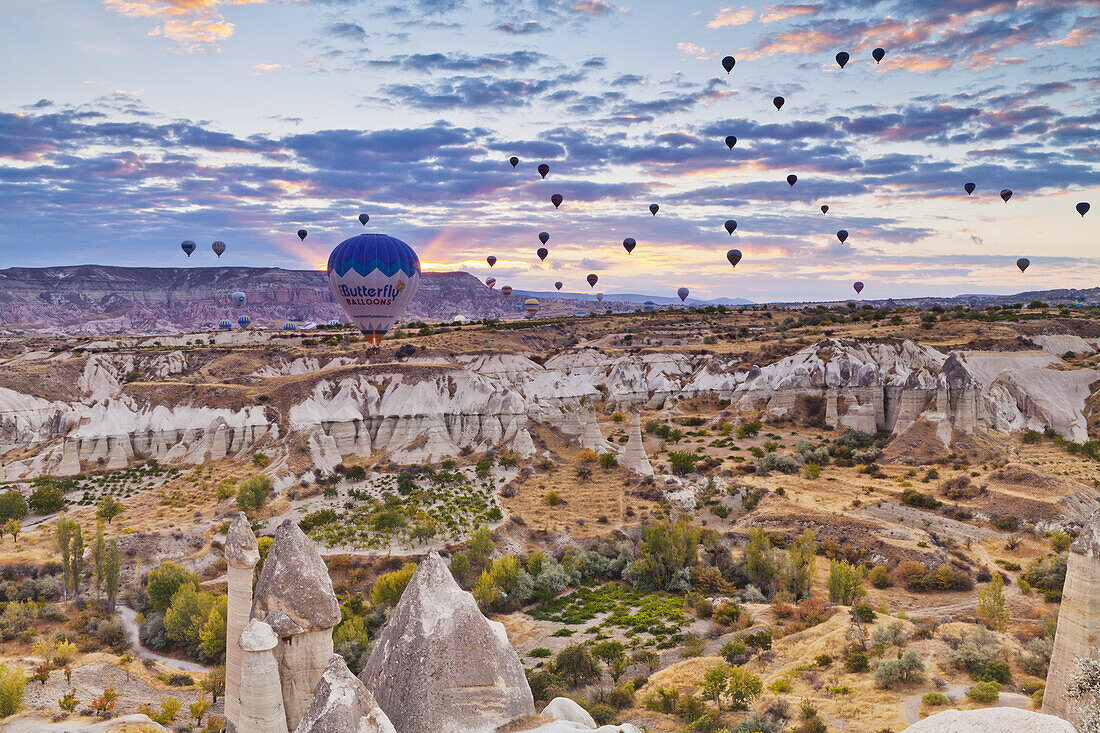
(341, 703)
(241, 555)
(634, 456)
(261, 709)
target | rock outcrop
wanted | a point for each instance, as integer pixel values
(261, 697)
(634, 456)
(990, 720)
(241, 555)
(294, 595)
(439, 665)
(1078, 633)
(342, 704)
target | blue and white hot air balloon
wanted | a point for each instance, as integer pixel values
(225, 324)
(289, 326)
(243, 321)
(374, 277)
(238, 299)
(334, 322)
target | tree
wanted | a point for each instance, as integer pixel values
(608, 651)
(12, 685)
(991, 605)
(761, 565)
(802, 564)
(63, 533)
(742, 687)
(109, 508)
(99, 557)
(714, 684)
(212, 633)
(186, 615)
(387, 590)
(76, 559)
(111, 574)
(198, 709)
(845, 582)
(683, 462)
(577, 665)
(48, 497)
(69, 702)
(164, 581)
(12, 506)
(481, 547)
(12, 527)
(665, 549)
(252, 494)
(214, 683)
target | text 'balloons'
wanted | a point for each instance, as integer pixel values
(373, 276)
(629, 244)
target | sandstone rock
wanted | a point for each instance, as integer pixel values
(342, 704)
(634, 456)
(564, 709)
(261, 709)
(241, 555)
(990, 720)
(70, 458)
(439, 665)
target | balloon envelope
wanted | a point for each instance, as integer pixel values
(238, 299)
(842, 235)
(557, 285)
(842, 58)
(969, 188)
(506, 290)
(187, 246)
(734, 256)
(302, 234)
(728, 63)
(792, 179)
(877, 54)
(857, 286)
(730, 226)
(491, 260)
(218, 247)
(824, 208)
(1006, 194)
(556, 200)
(364, 218)
(226, 324)
(243, 321)
(373, 276)
(1023, 263)
(683, 293)
(531, 305)
(1083, 208)
(778, 102)
(544, 237)
(543, 169)
(490, 281)
(730, 141)
(599, 297)
(592, 280)
(629, 244)
(542, 252)
(514, 161)
(654, 208)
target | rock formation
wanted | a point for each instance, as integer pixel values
(1078, 632)
(261, 697)
(439, 665)
(634, 456)
(990, 720)
(342, 704)
(241, 555)
(294, 595)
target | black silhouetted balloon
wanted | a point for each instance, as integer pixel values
(542, 252)
(877, 54)
(364, 218)
(842, 58)
(187, 246)
(302, 234)
(654, 208)
(858, 287)
(730, 226)
(842, 235)
(544, 237)
(629, 244)
(1006, 194)
(728, 63)
(792, 179)
(1083, 208)
(683, 293)
(543, 169)
(491, 260)
(730, 141)
(734, 256)
(824, 208)
(557, 285)
(778, 102)
(592, 280)
(969, 188)
(556, 200)
(514, 161)
(1023, 263)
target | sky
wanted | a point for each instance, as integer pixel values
(127, 126)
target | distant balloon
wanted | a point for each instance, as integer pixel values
(187, 246)
(556, 200)
(491, 260)
(1083, 208)
(544, 237)
(728, 63)
(542, 252)
(238, 299)
(599, 297)
(225, 324)
(243, 321)
(1006, 194)
(629, 244)
(374, 277)
(734, 256)
(654, 208)
(364, 218)
(730, 141)
(302, 234)
(778, 102)
(730, 225)
(531, 305)
(877, 54)
(1023, 263)
(592, 280)
(543, 169)
(506, 290)
(824, 208)
(683, 293)
(514, 161)
(969, 188)
(842, 235)
(792, 179)
(490, 281)
(218, 247)
(557, 285)
(858, 287)
(842, 58)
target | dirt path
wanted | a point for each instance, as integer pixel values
(957, 693)
(128, 615)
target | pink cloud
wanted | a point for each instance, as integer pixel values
(731, 17)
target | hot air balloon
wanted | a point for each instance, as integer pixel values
(629, 244)
(792, 179)
(683, 293)
(730, 225)
(592, 280)
(373, 276)
(730, 141)
(531, 305)
(243, 321)
(238, 299)
(1023, 263)
(514, 161)
(842, 58)
(490, 281)
(289, 326)
(542, 252)
(334, 322)
(842, 235)
(491, 260)
(556, 200)
(543, 169)
(557, 285)
(1006, 194)
(219, 248)
(654, 208)
(364, 218)
(1083, 208)
(599, 297)
(734, 256)
(728, 63)
(506, 290)
(187, 246)
(969, 188)
(225, 324)
(544, 237)
(302, 234)
(858, 287)
(877, 54)
(649, 306)
(824, 208)
(778, 102)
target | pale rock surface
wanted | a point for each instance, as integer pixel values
(439, 665)
(990, 720)
(242, 552)
(261, 696)
(562, 715)
(634, 456)
(342, 704)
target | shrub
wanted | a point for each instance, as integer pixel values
(683, 462)
(934, 699)
(984, 692)
(387, 590)
(260, 459)
(879, 576)
(577, 665)
(863, 612)
(907, 669)
(845, 582)
(253, 492)
(552, 498)
(47, 498)
(857, 662)
(12, 685)
(164, 581)
(891, 634)
(608, 460)
(318, 518)
(982, 656)
(1060, 542)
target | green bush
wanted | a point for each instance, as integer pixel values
(857, 662)
(906, 670)
(984, 692)
(934, 699)
(253, 492)
(164, 581)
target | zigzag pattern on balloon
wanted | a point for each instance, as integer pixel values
(390, 257)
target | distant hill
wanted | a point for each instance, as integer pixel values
(635, 298)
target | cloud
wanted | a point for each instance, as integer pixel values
(523, 28)
(592, 7)
(731, 17)
(700, 53)
(196, 25)
(432, 62)
(346, 31)
(776, 13)
(265, 68)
